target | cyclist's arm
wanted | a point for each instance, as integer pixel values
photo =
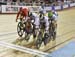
(17, 15)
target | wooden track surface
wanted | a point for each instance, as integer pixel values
(65, 31)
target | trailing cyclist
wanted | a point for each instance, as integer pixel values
(52, 22)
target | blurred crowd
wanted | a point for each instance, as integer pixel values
(34, 2)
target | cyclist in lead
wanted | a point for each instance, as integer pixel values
(25, 21)
(22, 13)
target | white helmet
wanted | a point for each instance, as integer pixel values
(42, 11)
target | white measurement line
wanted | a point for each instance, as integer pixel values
(9, 33)
(24, 49)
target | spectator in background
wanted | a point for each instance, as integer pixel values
(59, 2)
(14, 0)
(1, 0)
(9, 2)
(22, 2)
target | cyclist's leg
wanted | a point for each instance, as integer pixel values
(46, 25)
(36, 31)
(46, 33)
(36, 26)
(54, 23)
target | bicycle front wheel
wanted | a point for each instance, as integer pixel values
(39, 41)
(20, 30)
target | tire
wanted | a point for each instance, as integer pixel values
(19, 29)
(54, 36)
(50, 30)
(53, 33)
(46, 38)
(27, 37)
(39, 41)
